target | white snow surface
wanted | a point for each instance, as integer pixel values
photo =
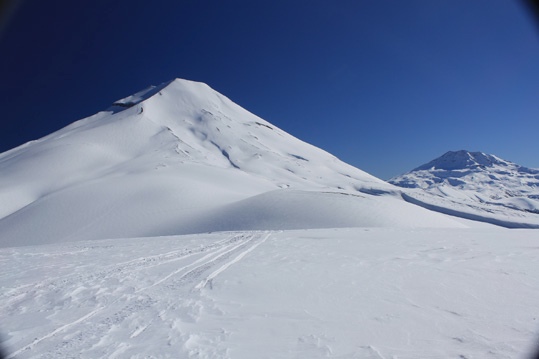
(477, 186)
(181, 158)
(176, 224)
(319, 293)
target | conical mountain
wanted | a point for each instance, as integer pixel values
(182, 158)
(464, 160)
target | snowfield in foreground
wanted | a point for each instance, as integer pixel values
(319, 293)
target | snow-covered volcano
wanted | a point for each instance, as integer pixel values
(182, 158)
(477, 183)
(464, 160)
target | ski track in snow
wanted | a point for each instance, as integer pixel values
(114, 311)
(328, 293)
(161, 163)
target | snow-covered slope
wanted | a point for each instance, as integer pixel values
(477, 184)
(182, 158)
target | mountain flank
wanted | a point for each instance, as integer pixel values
(181, 158)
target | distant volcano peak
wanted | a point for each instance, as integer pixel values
(462, 159)
(476, 180)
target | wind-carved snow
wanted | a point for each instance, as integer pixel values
(140, 96)
(478, 186)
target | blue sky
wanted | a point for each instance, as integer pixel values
(384, 85)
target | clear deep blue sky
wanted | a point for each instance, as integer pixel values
(384, 85)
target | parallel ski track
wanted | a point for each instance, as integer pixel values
(12, 297)
(182, 278)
